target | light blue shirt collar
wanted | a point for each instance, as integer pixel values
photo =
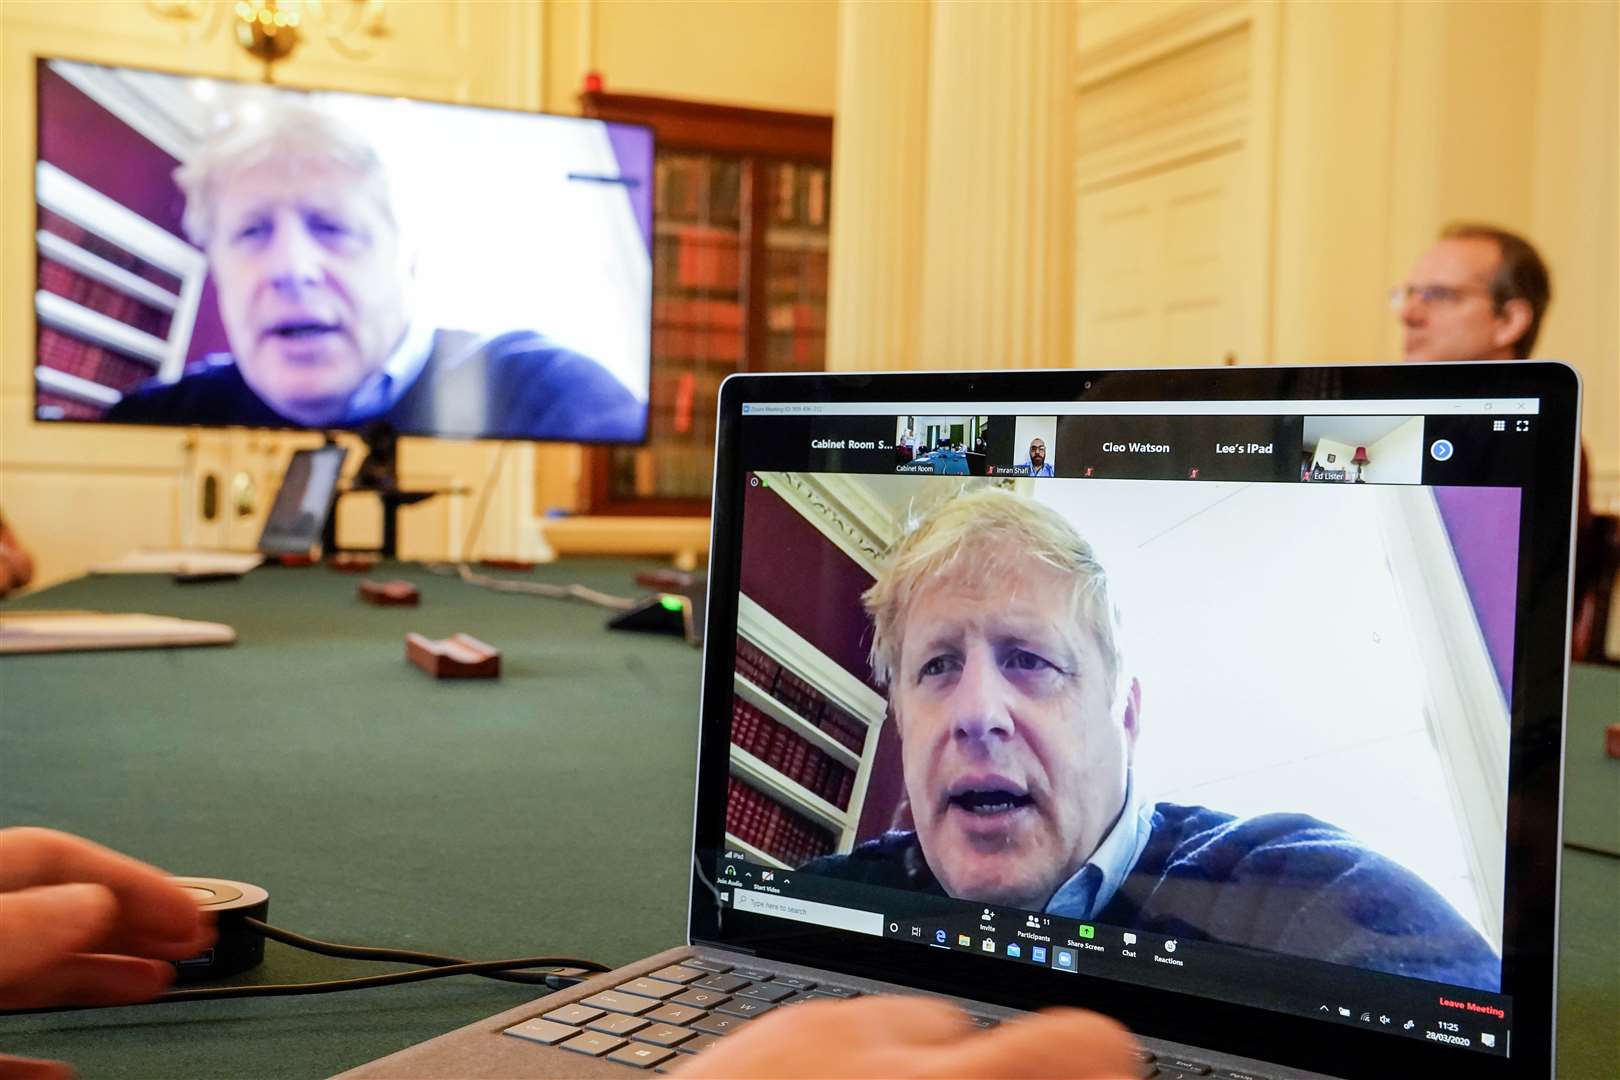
(1094, 884)
(383, 388)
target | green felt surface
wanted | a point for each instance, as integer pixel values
(548, 811)
(1589, 967)
(545, 812)
(1591, 776)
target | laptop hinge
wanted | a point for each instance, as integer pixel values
(727, 946)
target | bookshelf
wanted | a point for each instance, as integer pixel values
(742, 216)
(117, 298)
(803, 736)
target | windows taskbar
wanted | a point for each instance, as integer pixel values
(1455, 1016)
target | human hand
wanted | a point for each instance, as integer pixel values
(913, 1037)
(16, 565)
(83, 925)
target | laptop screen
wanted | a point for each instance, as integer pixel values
(1213, 697)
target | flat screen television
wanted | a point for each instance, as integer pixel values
(230, 254)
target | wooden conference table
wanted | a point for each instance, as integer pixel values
(546, 812)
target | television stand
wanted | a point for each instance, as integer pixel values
(378, 475)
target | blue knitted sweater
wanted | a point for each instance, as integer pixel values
(1286, 883)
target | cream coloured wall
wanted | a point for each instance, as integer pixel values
(775, 55)
(1312, 149)
(79, 494)
(1575, 216)
(1396, 119)
(881, 165)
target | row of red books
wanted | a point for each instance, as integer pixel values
(789, 317)
(805, 350)
(801, 195)
(64, 352)
(755, 665)
(683, 343)
(77, 235)
(709, 314)
(796, 693)
(679, 469)
(795, 353)
(698, 187)
(790, 754)
(756, 819)
(56, 407)
(102, 298)
(797, 269)
(708, 262)
(809, 702)
(843, 727)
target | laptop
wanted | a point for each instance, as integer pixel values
(1226, 702)
(303, 502)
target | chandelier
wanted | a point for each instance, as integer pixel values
(271, 29)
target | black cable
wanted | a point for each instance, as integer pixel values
(441, 967)
(480, 967)
(370, 953)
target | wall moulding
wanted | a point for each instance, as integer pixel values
(1155, 151)
(1186, 104)
(1182, 27)
(842, 511)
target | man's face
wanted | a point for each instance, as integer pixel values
(1014, 758)
(1037, 453)
(1460, 322)
(312, 288)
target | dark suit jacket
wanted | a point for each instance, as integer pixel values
(515, 386)
(1282, 882)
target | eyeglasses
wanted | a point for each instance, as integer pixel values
(1430, 295)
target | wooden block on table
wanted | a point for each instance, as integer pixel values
(395, 593)
(1611, 741)
(349, 562)
(460, 656)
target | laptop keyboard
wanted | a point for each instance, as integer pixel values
(649, 1022)
(681, 1009)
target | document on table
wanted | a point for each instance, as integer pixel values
(180, 561)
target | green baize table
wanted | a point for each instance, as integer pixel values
(546, 812)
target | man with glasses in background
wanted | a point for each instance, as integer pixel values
(1479, 294)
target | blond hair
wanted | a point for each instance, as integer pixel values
(989, 532)
(287, 133)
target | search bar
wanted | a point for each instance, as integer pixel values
(809, 911)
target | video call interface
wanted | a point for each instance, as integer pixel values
(229, 254)
(1214, 701)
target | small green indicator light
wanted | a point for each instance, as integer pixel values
(672, 603)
